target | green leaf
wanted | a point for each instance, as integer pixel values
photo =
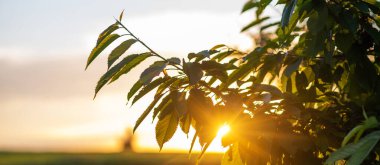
(146, 89)
(152, 71)
(179, 101)
(288, 11)
(146, 112)
(301, 82)
(166, 128)
(357, 151)
(254, 23)
(99, 48)
(317, 21)
(216, 47)
(222, 55)
(163, 104)
(248, 5)
(123, 66)
(121, 15)
(348, 20)
(268, 26)
(119, 50)
(193, 142)
(185, 123)
(351, 134)
(130, 65)
(292, 67)
(243, 70)
(137, 86)
(174, 61)
(215, 69)
(344, 41)
(193, 71)
(106, 32)
(266, 88)
(166, 84)
(362, 152)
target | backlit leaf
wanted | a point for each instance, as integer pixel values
(130, 65)
(288, 11)
(119, 50)
(193, 71)
(254, 23)
(166, 128)
(146, 89)
(292, 67)
(152, 71)
(185, 123)
(110, 29)
(146, 112)
(122, 67)
(134, 89)
(99, 48)
(249, 5)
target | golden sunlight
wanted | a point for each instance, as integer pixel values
(223, 130)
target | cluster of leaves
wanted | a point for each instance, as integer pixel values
(291, 100)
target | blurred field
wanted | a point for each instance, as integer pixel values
(9, 158)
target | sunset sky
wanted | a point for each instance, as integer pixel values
(45, 94)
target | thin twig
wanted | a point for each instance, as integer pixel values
(142, 43)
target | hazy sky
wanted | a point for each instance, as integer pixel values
(45, 94)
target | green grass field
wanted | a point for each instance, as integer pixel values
(9, 158)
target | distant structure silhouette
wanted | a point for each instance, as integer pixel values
(128, 141)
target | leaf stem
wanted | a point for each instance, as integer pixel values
(145, 45)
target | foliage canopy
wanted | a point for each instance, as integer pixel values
(309, 92)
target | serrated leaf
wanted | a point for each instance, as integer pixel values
(152, 71)
(174, 60)
(134, 89)
(99, 48)
(106, 32)
(119, 50)
(146, 112)
(123, 66)
(215, 69)
(254, 23)
(130, 65)
(287, 12)
(193, 71)
(165, 128)
(166, 84)
(146, 89)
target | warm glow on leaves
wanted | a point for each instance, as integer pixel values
(223, 130)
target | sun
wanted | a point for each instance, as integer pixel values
(223, 130)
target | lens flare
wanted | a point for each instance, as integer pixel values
(223, 130)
